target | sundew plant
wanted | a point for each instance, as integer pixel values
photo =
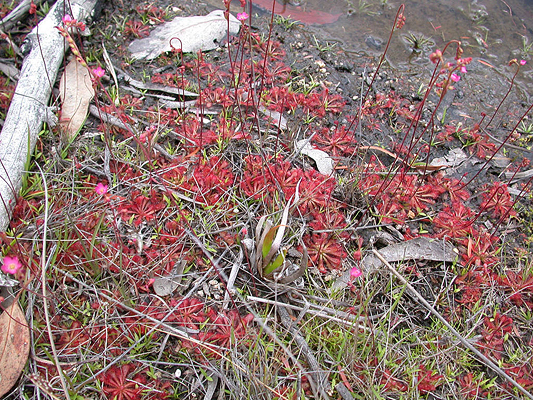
(216, 244)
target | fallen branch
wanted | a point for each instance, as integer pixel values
(29, 105)
(320, 311)
(19, 12)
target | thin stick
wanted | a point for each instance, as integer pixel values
(230, 286)
(338, 316)
(44, 264)
(318, 374)
(481, 356)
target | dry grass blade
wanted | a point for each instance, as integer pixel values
(44, 266)
(320, 376)
(323, 312)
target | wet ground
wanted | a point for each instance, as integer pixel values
(493, 31)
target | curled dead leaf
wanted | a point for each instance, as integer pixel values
(76, 92)
(14, 346)
(324, 163)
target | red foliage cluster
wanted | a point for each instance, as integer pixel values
(271, 48)
(171, 79)
(471, 285)
(123, 383)
(496, 198)
(471, 387)
(208, 182)
(337, 142)
(481, 249)
(382, 104)
(479, 144)
(391, 383)
(401, 196)
(226, 329)
(427, 380)
(325, 251)
(280, 99)
(72, 337)
(141, 208)
(155, 14)
(136, 29)
(494, 331)
(523, 374)
(263, 178)
(519, 287)
(454, 221)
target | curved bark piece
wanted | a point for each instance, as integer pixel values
(420, 248)
(28, 108)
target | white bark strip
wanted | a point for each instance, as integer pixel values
(27, 111)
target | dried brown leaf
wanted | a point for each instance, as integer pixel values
(14, 346)
(76, 92)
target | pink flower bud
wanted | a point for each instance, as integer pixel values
(67, 19)
(436, 56)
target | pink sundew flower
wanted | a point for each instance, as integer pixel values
(242, 16)
(101, 189)
(463, 70)
(68, 20)
(98, 72)
(455, 77)
(355, 272)
(11, 265)
(523, 62)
